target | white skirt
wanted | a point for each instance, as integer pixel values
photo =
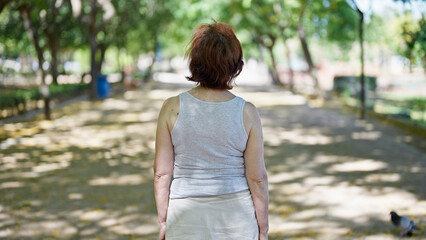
(230, 216)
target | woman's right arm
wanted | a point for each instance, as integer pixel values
(164, 157)
(255, 168)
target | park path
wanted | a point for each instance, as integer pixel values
(88, 173)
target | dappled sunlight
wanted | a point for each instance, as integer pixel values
(131, 95)
(88, 174)
(34, 141)
(332, 177)
(162, 94)
(58, 228)
(168, 77)
(356, 203)
(95, 137)
(115, 104)
(66, 123)
(131, 179)
(286, 176)
(75, 196)
(275, 137)
(274, 98)
(93, 215)
(343, 201)
(384, 177)
(299, 137)
(309, 214)
(306, 228)
(323, 180)
(325, 159)
(50, 167)
(4, 185)
(366, 135)
(137, 117)
(128, 224)
(364, 165)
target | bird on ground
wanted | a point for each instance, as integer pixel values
(405, 224)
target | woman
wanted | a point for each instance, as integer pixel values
(211, 142)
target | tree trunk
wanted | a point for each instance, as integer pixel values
(53, 39)
(275, 76)
(291, 73)
(54, 48)
(94, 69)
(32, 34)
(361, 42)
(148, 77)
(305, 48)
(102, 49)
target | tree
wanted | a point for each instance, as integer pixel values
(146, 37)
(14, 40)
(420, 46)
(57, 20)
(256, 15)
(414, 37)
(94, 17)
(26, 13)
(44, 22)
(361, 43)
(304, 44)
(287, 31)
(117, 23)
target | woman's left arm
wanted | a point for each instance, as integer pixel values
(163, 164)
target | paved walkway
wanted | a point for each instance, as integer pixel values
(88, 173)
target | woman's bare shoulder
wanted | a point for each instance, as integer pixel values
(170, 111)
(171, 102)
(250, 110)
(251, 116)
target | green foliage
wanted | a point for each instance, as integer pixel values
(57, 90)
(417, 104)
(140, 27)
(351, 85)
(342, 23)
(22, 96)
(333, 21)
(13, 99)
(13, 38)
(375, 29)
(413, 35)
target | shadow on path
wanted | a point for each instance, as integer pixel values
(88, 174)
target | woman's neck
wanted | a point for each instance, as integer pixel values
(211, 95)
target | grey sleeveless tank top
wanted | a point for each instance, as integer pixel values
(209, 141)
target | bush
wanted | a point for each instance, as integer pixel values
(13, 99)
(23, 96)
(351, 85)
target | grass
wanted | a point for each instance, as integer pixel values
(413, 108)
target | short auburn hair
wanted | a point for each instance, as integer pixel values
(215, 56)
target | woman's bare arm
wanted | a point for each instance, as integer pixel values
(164, 157)
(255, 167)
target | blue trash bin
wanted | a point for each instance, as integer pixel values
(103, 87)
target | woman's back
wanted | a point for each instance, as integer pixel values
(209, 140)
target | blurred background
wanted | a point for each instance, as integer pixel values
(82, 83)
(50, 50)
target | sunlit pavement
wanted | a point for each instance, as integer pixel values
(88, 173)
